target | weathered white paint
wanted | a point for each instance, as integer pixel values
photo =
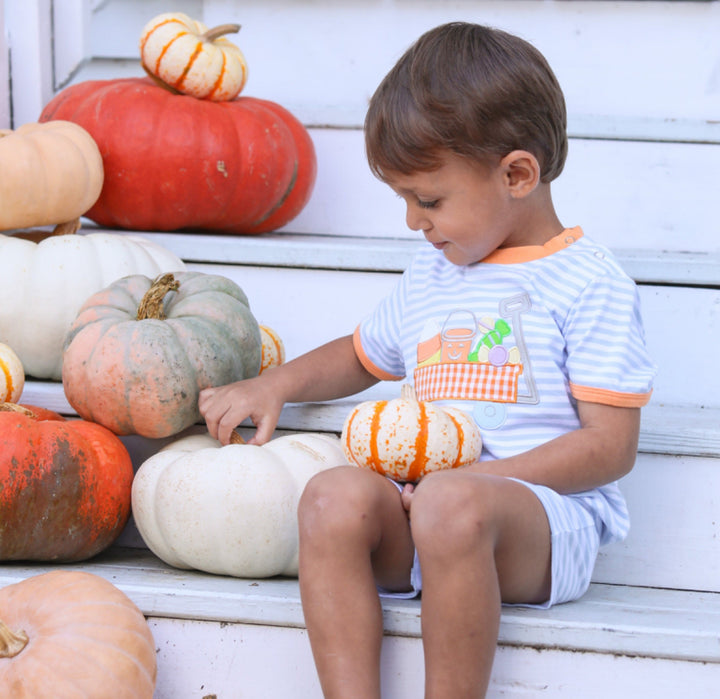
(324, 59)
(28, 26)
(71, 34)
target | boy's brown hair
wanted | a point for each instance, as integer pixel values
(476, 91)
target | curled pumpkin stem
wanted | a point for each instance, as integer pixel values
(152, 303)
(14, 408)
(11, 643)
(221, 30)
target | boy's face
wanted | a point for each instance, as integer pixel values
(462, 208)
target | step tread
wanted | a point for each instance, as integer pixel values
(394, 254)
(618, 619)
(665, 429)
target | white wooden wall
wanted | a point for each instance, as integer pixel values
(642, 81)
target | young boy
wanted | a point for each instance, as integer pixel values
(529, 326)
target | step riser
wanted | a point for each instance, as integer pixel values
(238, 661)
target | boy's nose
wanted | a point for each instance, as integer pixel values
(416, 219)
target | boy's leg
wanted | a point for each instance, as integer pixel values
(481, 540)
(353, 531)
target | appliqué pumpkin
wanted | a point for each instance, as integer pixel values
(405, 438)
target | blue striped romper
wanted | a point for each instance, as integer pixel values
(515, 340)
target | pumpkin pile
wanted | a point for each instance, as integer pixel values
(207, 159)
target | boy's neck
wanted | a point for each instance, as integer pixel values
(536, 221)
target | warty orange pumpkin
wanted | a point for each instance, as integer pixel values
(73, 634)
(405, 438)
(65, 492)
(140, 351)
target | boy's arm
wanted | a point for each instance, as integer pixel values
(600, 451)
(328, 372)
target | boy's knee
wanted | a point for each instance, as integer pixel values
(333, 501)
(449, 511)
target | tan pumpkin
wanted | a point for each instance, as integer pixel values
(273, 349)
(405, 438)
(51, 173)
(73, 634)
(12, 375)
(191, 59)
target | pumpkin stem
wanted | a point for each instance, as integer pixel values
(407, 392)
(235, 438)
(67, 228)
(151, 305)
(11, 643)
(14, 408)
(217, 32)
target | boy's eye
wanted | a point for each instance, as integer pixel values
(424, 204)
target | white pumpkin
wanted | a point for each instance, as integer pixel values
(43, 286)
(229, 510)
(12, 375)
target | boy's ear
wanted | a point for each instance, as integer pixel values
(521, 171)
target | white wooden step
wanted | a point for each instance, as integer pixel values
(680, 430)
(230, 619)
(394, 254)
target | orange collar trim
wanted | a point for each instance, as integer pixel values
(528, 253)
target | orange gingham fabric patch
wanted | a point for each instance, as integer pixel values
(468, 381)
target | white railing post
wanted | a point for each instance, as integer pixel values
(4, 73)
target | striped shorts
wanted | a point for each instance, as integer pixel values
(575, 544)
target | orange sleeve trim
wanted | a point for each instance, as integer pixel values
(376, 371)
(608, 397)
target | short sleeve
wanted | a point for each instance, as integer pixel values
(376, 339)
(608, 361)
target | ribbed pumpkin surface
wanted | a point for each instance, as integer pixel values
(143, 376)
(174, 162)
(192, 59)
(404, 438)
(86, 639)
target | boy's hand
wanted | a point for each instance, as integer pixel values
(406, 496)
(225, 407)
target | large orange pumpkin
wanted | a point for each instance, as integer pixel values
(65, 492)
(73, 634)
(405, 438)
(175, 162)
(140, 351)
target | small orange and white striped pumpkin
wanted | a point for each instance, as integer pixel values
(191, 59)
(405, 438)
(12, 375)
(273, 349)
